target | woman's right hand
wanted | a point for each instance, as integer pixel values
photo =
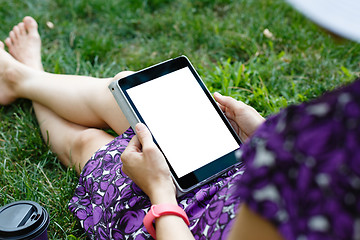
(146, 166)
(243, 118)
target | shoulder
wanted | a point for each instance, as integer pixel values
(303, 167)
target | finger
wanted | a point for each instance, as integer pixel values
(134, 144)
(225, 100)
(218, 96)
(220, 101)
(221, 107)
(226, 110)
(144, 135)
(133, 149)
(231, 105)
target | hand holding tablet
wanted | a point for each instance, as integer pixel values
(145, 164)
(186, 123)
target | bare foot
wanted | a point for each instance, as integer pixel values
(24, 43)
(12, 73)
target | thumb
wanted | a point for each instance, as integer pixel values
(226, 101)
(143, 134)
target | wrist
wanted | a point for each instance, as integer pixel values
(163, 196)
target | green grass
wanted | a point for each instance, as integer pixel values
(223, 38)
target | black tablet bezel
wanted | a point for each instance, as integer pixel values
(148, 74)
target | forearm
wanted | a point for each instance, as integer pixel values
(172, 227)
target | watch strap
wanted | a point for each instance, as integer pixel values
(157, 211)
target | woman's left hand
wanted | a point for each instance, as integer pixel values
(146, 166)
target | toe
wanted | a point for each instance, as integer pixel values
(22, 28)
(8, 42)
(1, 45)
(16, 31)
(12, 36)
(30, 24)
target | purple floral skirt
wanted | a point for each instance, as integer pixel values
(110, 206)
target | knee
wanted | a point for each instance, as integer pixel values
(82, 149)
(122, 74)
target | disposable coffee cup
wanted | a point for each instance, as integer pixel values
(23, 220)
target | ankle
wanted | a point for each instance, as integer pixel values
(12, 78)
(18, 78)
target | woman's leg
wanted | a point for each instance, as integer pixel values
(82, 100)
(73, 143)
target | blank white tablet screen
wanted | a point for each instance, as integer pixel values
(182, 120)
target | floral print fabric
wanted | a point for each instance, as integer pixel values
(302, 174)
(110, 206)
(303, 168)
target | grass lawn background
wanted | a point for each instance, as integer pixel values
(224, 39)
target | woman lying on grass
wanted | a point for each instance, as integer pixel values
(302, 178)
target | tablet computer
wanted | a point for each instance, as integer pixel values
(186, 123)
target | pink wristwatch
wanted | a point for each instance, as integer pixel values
(157, 211)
